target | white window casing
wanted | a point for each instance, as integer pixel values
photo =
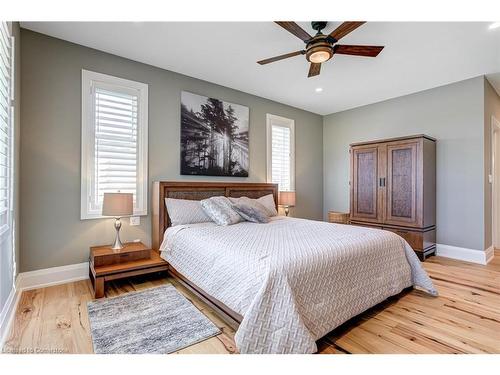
(7, 214)
(281, 152)
(114, 141)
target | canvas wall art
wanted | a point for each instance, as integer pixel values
(214, 137)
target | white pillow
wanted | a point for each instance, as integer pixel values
(220, 211)
(185, 211)
(267, 201)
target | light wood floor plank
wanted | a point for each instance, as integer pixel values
(465, 318)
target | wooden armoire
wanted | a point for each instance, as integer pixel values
(393, 187)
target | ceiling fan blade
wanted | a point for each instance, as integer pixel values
(281, 57)
(368, 51)
(345, 28)
(314, 70)
(295, 29)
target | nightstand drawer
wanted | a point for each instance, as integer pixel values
(106, 260)
(132, 251)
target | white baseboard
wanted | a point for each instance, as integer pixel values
(53, 276)
(465, 254)
(490, 253)
(38, 279)
(7, 314)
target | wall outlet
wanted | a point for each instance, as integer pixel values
(490, 178)
(135, 220)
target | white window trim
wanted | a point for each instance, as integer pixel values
(88, 129)
(13, 196)
(8, 231)
(285, 122)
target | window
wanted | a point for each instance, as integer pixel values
(7, 224)
(6, 125)
(114, 141)
(281, 152)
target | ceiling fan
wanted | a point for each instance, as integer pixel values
(321, 48)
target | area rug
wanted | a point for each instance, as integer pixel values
(157, 320)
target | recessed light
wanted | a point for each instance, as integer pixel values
(494, 25)
(318, 89)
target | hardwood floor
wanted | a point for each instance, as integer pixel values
(465, 318)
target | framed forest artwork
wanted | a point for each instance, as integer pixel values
(214, 137)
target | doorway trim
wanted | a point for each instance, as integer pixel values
(495, 183)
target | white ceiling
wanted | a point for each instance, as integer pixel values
(417, 56)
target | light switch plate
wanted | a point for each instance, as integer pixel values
(490, 178)
(135, 220)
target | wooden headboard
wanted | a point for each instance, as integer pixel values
(199, 191)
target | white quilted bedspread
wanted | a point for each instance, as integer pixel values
(293, 280)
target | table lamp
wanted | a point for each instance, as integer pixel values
(117, 205)
(287, 200)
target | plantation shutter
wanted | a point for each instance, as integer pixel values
(281, 157)
(7, 223)
(6, 125)
(281, 152)
(116, 143)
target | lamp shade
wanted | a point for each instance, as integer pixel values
(287, 198)
(118, 204)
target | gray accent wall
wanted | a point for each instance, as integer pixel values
(52, 233)
(454, 115)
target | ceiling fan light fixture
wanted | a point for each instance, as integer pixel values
(319, 54)
(319, 57)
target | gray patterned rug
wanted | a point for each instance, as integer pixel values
(157, 320)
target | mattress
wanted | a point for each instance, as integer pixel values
(293, 280)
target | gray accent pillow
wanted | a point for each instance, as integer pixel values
(185, 211)
(254, 212)
(220, 210)
(267, 201)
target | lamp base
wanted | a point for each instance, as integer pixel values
(117, 246)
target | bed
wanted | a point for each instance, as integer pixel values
(287, 283)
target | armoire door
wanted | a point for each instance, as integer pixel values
(402, 187)
(365, 203)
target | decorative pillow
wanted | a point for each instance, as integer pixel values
(267, 201)
(254, 212)
(220, 211)
(185, 211)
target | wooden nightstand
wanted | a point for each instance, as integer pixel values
(134, 259)
(338, 217)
